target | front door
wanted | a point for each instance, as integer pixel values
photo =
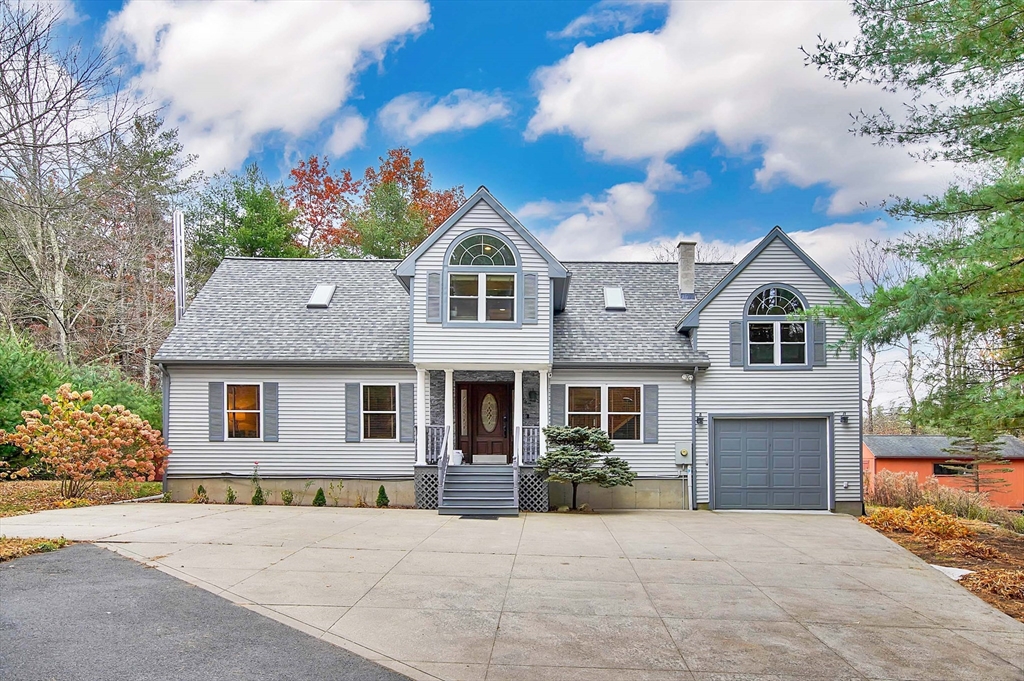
(485, 420)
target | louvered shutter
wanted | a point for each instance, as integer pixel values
(650, 400)
(558, 404)
(530, 298)
(818, 337)
(216, 412)
(270, 418)
(352, 409)
(735, 344)
(406, 422)
(433, 296)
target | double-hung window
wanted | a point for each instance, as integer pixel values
(243, 410)
(482, 280)
(773, 340)
(380, 412)
(614, 409)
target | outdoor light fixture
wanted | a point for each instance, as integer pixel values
(844, 418)
(700, 419)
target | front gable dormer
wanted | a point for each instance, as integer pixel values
(483, 289)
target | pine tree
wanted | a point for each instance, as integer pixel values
(320, 499)
(382, 498)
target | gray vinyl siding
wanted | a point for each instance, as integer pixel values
(435, 343)
(646, 460)
(725, 389)
(311, 426)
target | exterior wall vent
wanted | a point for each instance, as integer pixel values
(322, 295)
(614, 298)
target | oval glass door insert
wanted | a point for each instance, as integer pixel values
(489, 413)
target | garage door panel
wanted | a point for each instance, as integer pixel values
(771, 463)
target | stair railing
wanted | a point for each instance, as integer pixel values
(442, 465)
(517, 453)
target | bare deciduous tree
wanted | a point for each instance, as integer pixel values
(703, 252)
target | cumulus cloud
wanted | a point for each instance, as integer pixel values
(348, 133)
(734, 71)
(230, 72)
(417, 115)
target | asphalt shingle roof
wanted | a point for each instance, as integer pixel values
(644, 332)
(928, 446)
(254, 310)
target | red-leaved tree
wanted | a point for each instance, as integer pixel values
(79, 445)
(324, 202)
(435, 206)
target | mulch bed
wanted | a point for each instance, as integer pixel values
(29, 496)
(993, 574)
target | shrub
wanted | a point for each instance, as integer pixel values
(287, 497)
(902, 490)
(1004, 583)
(335, 492)
(200, 496)
(78, 445)
(257, 489)
(382, 498)
(924, 521)
(574, 457)
(230, 496)
(970, 549)
(320, 499)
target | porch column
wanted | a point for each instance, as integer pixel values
(543, 409)
(449, 410)
(421, 417)
(517, 414)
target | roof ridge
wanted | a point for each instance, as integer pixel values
(262, 259)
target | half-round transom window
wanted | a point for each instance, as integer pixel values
(775, 301)
(482, 249)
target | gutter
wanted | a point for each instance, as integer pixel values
(693, 442)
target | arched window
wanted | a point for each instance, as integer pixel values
(771, 338)
(482, 250)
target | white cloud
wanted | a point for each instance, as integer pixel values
(606, 16)
(732, 70)
(417, 115)
(229, 72)
(348, 133)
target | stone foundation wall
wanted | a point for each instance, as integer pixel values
(650, 494)
(400, 492)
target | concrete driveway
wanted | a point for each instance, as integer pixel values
(635, 596)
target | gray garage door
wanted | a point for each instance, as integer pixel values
(771, 463)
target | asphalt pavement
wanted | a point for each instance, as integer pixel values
(85, 613)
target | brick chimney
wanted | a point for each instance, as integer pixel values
(686, 256)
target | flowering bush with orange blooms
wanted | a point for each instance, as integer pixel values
(79, 445)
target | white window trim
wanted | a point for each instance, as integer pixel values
(363, 412)
(605, 404)
(227, 429)
(777, 343)
(481, 297)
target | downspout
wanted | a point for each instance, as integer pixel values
(693, 441)
(165, 388)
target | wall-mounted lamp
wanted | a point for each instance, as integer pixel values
(700, 419)
(844, 418)
(533, 395)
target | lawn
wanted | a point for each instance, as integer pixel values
(28, 496)
(11, 548)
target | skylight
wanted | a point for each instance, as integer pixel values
(614, 298)
(322, 295)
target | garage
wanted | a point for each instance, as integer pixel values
(778, 464)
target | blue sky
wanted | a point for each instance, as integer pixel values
(608, 128)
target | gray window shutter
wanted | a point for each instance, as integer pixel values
(557, 404)
(433, 296)
(818, 337)
(352, 409)
(406, 421)
(270, 419)
(735, 344)
(217, 412)
(650, 400)
(530, 298)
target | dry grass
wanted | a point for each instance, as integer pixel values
(28, 496)
(923, 521)
(11, 548)
(969, 548)
(1007, 584)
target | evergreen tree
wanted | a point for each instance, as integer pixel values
(574, 456)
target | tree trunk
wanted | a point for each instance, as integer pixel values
(575, 485)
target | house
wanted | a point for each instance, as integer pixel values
(926, 456)
(382, 372)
